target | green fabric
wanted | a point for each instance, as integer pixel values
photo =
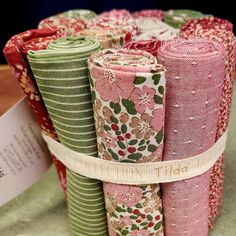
(176, 18)
(79, 13)
(62, 76)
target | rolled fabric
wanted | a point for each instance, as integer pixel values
(150, 46)
(15, 52)
(128, 90)
(176, 18)
(162, 32)
(149, 13)
(69, 22)
(194, 70)
(62, 76)
(148, 20)
(208, 22)
(108, 39)
(115, 20)
(226, 38)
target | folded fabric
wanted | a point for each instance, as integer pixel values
(149, 13)
(176, 18)
(194, 71)
(161, 31)
(62, 77)
(115, 20)
(108, 39)
(216, 33)
(15, 53)
(70, 22)
(150, 46)
(128, 90)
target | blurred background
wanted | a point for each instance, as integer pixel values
(18, 16)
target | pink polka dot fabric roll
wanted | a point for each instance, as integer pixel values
(194, 70)
(218, 31)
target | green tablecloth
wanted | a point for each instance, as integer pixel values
(41, 210)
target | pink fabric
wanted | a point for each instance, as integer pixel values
(226, 38)
(149, 13)
(129, 91)
(115, 19)
(194, 71)
(150, 46)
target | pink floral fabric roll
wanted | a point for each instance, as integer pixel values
(226, 38)
(115, 20)
(128, 90)
(194, 71)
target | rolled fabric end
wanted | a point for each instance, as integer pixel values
(195, 69)
(108, 38)
(150, 46)
(207, 23)
(128, 87)
(176, 18)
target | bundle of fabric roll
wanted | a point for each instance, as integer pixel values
(140, 103)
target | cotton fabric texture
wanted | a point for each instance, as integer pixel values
(216, 30)
(128, 90)
(61, 73)
(194, 71)
(15, 52)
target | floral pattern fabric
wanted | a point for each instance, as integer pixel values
(215, 30)
(128, 91)
(108, 39)
(15, 52)
(115, 20)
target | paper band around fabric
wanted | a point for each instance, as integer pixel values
(141, 173)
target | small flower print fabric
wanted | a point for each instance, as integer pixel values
(128, 93)
(15, 52)
(108, 39)
(69, 22)
(115, 20)
(150, 46)
(220, 31)
(194, 71)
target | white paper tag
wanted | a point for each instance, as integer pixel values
(24, 157)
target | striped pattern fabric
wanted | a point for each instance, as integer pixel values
(62, 77)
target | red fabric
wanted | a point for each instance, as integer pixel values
(149, 13)
(217, 32)
(207, 23)
(66, 25)
(15, 52)
(194, 71)
(150, 46)
(115, 20)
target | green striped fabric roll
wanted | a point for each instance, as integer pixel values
(176, 18)
(62, 76)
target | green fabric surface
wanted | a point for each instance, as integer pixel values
(62, 76)
(79, 13)
(176, 18)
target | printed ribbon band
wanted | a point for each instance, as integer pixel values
(141, 173)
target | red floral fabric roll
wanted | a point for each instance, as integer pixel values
(218, 33)
(150, 46)
(15, 52)
(194, 71)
